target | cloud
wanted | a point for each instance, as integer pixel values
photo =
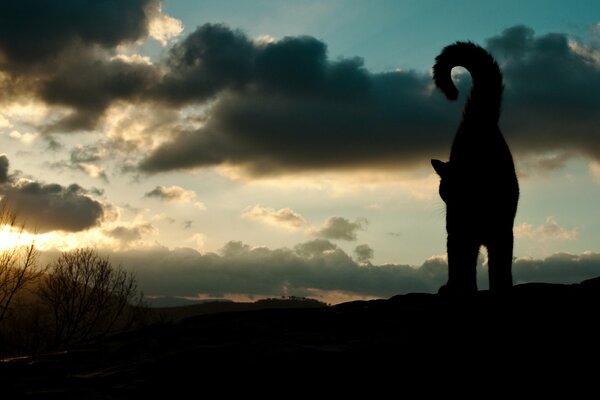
(284, 106)
(161, 27)
(89, 84)
(45, 207)
(4, 164)
(172, 194)
(211, 59)
(284, 217)
(128, 234)
(133, 129)
(558, 268)
(339, 228)
(234, 248)
(260, 271)
(52, 143)
(93, 171)
(49, 207)
(87, 154)
(61, 53)
(550, 230)
(544, 163)
(289, 108)
(364, 253)
(82, 158)
(315, 247)
(34, 31)
(25, 138)
(551, 101)
(316, 268)
(273, 107)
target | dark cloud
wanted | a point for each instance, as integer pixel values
(558, 268)
(211, 59)
(292, 108)
(90, 84)
(33, 31)
(289, 107)
(314, 247)
(234, 248)
(267, 272)
(316, 266)
(84, 159)
(364, 253)
(96, 191)
(171, 194)
(3, 168)
(86, 154)
(285, 106)
(49, 207)
(62, 53)
(552, 87)
(339, 228)
(52, 143)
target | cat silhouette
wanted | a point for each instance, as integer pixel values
(478, 183)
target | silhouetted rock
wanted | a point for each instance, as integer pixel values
(535, 327)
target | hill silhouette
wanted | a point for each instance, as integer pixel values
(535, 327)
(178, 313)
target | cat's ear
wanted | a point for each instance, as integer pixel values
(440, 167)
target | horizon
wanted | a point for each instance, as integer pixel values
(238, 150)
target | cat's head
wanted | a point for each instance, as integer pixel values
(444, 170)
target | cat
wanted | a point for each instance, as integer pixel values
(478, 184)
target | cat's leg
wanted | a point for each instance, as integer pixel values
(500, 253)
(462, 264)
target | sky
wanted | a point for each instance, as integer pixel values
(254, 149)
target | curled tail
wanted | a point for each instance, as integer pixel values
(486, 92)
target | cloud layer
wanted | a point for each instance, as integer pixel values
(316, 268)
(339, 228)
(61, 52)
(282, 106)
(285, 106)
(240, 269)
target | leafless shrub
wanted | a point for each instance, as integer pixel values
(87, 297)
(19, 272)
(18, 264)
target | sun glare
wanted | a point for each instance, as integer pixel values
(11, 237)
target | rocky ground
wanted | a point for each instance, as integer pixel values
(379, 344)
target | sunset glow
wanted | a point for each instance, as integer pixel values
(244, 149)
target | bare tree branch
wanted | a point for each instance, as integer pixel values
(88, 296)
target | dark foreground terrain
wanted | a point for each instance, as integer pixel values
(380, 345)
